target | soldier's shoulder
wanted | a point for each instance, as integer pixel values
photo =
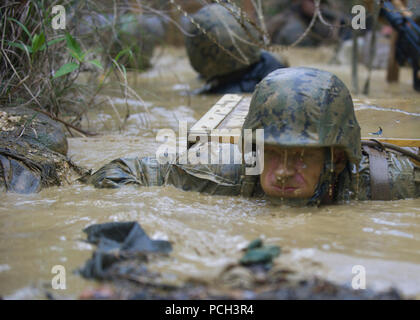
(389, 175)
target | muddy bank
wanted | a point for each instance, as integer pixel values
(274, 285)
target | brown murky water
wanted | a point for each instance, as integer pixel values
(42, 230)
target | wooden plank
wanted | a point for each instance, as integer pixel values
(227, 116)
(236, 119)
(229, 129)
(398, 142)
(214, 116)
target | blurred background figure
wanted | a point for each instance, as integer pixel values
(294, 16)
(128, 35)
(225, 50)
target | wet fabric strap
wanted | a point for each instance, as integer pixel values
(379, 181)
(247, 185)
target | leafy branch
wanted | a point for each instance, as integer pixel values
(77, 53)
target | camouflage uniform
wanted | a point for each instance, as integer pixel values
(296, 107)
(228, 55)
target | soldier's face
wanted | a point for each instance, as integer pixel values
(291, 172)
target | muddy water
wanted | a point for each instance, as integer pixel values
(42, 230)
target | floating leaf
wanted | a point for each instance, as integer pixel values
(257, 253)
(257, 243)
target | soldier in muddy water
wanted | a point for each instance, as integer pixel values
(311, 152)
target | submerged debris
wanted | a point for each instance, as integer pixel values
(124, 249)
(101, 293)
(267, 288)
(256, 253)
(118, 243)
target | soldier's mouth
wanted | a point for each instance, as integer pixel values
(284, 189)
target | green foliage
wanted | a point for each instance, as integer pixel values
(74, 48)
(76, 52)
(40, 65)
(22, 26)
(96, 62)
(126, 51)
(65, 69)
(37, 41)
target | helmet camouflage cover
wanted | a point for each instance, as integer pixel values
(305, 107)
(206, 57)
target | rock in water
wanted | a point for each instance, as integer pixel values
(257, 253)
(33, 151)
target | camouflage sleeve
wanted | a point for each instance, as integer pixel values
(217, 179)
(403, 175)
(122, 171)
(213, 179)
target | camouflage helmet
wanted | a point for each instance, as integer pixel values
(302, 106)
(206, 57)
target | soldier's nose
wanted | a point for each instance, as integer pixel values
(285, 170)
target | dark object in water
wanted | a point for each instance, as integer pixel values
(101, 293)
(378, 133)
(123, 248)
(267, 288)
(256, 253)
(408, 43)
(245, 80)
(116, 242)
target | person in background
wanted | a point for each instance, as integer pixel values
(227, 56)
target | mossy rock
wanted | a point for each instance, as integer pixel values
(33, 151)
(32, 125)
